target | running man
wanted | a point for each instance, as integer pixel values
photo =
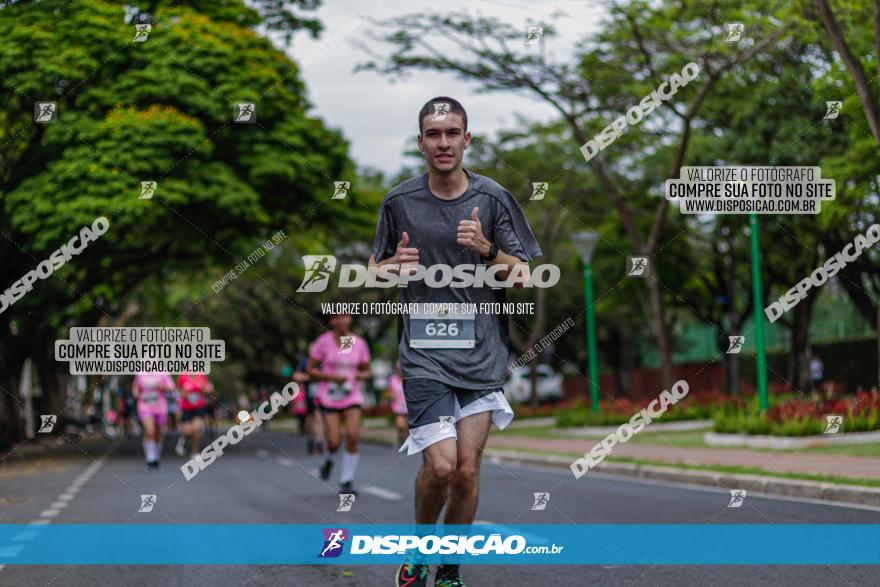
(452, 382)
(339, 361)
(193, 388)
(149, 388)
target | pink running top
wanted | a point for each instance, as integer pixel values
(150, 388)
(332, 359)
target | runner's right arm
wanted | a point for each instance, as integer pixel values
(403, 255)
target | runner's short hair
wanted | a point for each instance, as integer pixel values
(455, 107)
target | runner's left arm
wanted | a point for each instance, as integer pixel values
(470, 234)
(364, 371)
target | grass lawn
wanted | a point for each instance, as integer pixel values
(694, 439)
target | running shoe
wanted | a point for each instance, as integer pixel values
(179, 448)
(447, 578)
(347, 487)
(412, 573)
(325, 469)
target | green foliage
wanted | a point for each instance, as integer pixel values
(616, 413)
(158, 110)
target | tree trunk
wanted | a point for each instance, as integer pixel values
(798, 354)
(614, 356)
(11, 430)
(726, 366)
(533, 382)
(660, 331)
(732, 367)
(734, 375)
(54, 394)
(537, 327)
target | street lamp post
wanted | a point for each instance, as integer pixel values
(585, 244)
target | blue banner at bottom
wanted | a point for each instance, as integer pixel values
(527, 544)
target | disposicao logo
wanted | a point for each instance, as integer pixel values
(334, 541)
(319, 269)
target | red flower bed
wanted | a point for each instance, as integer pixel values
(800, 409)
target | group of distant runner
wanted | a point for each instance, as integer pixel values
(154, 394)
(329, 406)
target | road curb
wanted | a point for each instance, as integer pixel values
(847, 494)
(852, 494)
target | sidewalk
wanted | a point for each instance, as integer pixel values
(783, 462)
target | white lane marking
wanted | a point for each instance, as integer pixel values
(285, 461)
(67, 495)
(383, 493)
(313, 472)
(697, 487)
(262, 453)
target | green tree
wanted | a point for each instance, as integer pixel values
(128, 112)
(850, 49)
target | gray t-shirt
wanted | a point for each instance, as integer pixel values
(432, 225)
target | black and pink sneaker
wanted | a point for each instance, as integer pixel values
(412, 573)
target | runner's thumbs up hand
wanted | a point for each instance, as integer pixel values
(470, 234)
(406, 255)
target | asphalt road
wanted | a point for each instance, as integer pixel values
(269, 479)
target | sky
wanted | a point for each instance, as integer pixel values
(380, 119)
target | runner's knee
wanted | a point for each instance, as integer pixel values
(441, 468)
(466, 473)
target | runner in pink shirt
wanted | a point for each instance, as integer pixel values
(339, 361)
(150, 388)
(398, 405)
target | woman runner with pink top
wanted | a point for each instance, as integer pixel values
(398, 405)
(149, 388)
(339, 361)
